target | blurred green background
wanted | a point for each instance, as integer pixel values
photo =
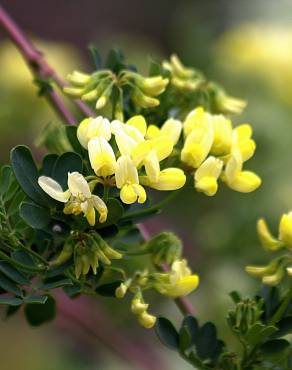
(244, 45)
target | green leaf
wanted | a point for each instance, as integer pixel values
(207, 341)
(115, 60)
(55, 282)
(35, 299)
(185, 339)
(258, 333)
(71, 132)
(15, 204)
(48, 164)
(4, 178)
(95, 56)
(108, 290)
(24, 258)
(34, 215)
(13, 274)
(9, 286)
(284, 327)
(115, 212)
(27, 175)
(192, 324)
(167, 333)
(273, 346)
(11, 301)
(67, 162)
(37, 314)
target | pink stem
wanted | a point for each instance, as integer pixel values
(40, 67)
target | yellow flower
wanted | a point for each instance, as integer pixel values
(79, 78)
(180, 280)
(207, 175)
(168, 179)
(128, 181)
(197, 117)
(139, 123)
(152, 85)
(147, 320)
(78, 198)
(222, 135)
(93, 127)
(198, 143)
(171, 129)
(101, 156)
(285, 229)
(236, 179)
(149, 153)
(242, 138)
(127, 136)
(266, 238)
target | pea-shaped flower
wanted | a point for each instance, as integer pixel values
(78, 198)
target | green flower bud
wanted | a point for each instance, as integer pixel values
(164, 247)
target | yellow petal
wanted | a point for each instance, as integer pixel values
(101, 208)
(222, 135)
(53, 188)
(198, 145)
(266, 238)
(128, 194)
(172, 129)
(152, 132)
(77, 185)
(126, 172)
(285, 229)
(101, 156)
(141, 193)
(152, 166)
(139, 123)
(169, 179)
(163, 147)
(207, 185)
(245, 182)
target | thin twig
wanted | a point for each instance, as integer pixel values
(40, 68)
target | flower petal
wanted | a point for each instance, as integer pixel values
(53, 188)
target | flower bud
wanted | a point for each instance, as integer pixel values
(285, 229)
(143, 100)
(164, 247)
(138, 307)
(121, 290)
(147, 320)
(266, 238)
(79, 78)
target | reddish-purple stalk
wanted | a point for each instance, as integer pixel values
(41, 68)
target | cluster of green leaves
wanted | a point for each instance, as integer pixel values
(262, 325)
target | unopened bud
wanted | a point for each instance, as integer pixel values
(138, 307)
(121, 290)
(147, 320)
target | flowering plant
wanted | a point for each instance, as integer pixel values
(73, 221)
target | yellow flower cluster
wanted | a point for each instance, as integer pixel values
(274, 272)
(134, 165)
(214, 149)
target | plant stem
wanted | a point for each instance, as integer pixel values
(153, 209)
(40, 68)
(183, 303)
